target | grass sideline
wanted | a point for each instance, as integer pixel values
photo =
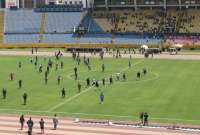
(169, 92)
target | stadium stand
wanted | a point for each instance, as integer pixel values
(21, 38)
(186, 40)
(129, 20)
(190, 22)
(91, 25)
(97, 38)
(42, 26)
(136, 39)
(1, 26)
(22, 21)
(60, 38)
(62, 22)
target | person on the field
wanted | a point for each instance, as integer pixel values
(129, 64)
(11, 76)
(76, 73)
(48, 69)
(25, 98)
(101, 97)
(124, 76)
(97, 84)
(4, 92)
(40, 69)
(55, 122)
(20, 83)
(63, 92)
(103, 81)
(36, 58)
(88, 61)
(93, 81)
(79, 87)
(61, 65)
(42, 125)
(46, 80)
(20, 64)
(142, 118)
(89, 67)
(103, 67)
(35, 64)
(30, 126)
(78, 61)
(88, 82)
(146, 120)
(111, 80)
(58, 79)
(21, 121)
(56, 67)
(31, 60)
(144, 71)
(138, 75)
(75, 70)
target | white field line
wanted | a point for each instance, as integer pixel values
(68, 100)
(82, 92)
(101, 115)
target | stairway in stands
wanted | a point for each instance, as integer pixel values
(42, 27)
(1, 26)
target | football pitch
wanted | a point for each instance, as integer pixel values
(169, 92)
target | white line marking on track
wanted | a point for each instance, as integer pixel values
(103, 115)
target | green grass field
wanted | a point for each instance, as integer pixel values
(170, 92)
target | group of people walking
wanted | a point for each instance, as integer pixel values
(30, 124)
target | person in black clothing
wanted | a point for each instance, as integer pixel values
(88, 82)
(103, 67)
(138, 75)
(30, 126)
(63, 92)
(75, 70)
(111, 80)
(4, 92)
(40, 69)
(20, 83)
(144, 71)
(97, 84)
(20, 64)
(142, 118)
(11, 76)
(103, 81)
(48, 68)
(124, 76)
(42, 125)
(61, 65)
(22, 120)
(146, 116)
(25, 98)
(35, 63)
(101, 96)
(56, 67)
(58, 79)
(46, 80)
(79, 87)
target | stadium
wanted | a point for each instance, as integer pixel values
(99, 67)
